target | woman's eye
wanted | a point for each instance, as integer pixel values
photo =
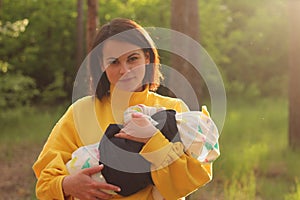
(113, 62)
(132, 59)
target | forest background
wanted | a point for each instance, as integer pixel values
(248, 41)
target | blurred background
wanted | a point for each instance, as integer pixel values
(255, 45)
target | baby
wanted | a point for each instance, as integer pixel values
(195, 129)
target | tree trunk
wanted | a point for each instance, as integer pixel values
(193, 19)
(294, 74)
(185, 19)
(79, 33)
(92, 22)
(178, 22)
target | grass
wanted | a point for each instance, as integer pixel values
(22, 135)
(28, 124)
(255, 161)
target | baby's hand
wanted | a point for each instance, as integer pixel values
(139, 129)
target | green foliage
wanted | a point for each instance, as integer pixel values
(47, 46)
(28, 125)
(214, 22)
(258, 132)
(240, 36)
(54, 90)
(241, 188)
(250, 91)
(255, 161)
(295, 195)
(16, 90)
(145, 12)
(13, 29)
(256, 46)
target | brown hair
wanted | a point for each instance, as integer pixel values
(132, 33)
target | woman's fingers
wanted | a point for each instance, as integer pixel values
(136, 115)
(107, 186)
(92, 170)
(82, 186)
(100, 185)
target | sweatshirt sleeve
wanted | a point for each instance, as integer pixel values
(174, 173)
(50, 168)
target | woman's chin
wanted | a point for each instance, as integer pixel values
(129, 87)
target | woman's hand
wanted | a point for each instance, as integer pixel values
(139, 129)
(82, 186)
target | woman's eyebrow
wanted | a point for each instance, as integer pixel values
(114, 58)
(134, 54)
(111, 58)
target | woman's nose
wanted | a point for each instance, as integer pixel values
(124, 68)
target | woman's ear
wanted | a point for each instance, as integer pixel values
(147, 58)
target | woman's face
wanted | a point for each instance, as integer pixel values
(124, 64)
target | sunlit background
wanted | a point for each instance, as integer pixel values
(43, 42)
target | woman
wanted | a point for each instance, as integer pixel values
(130, 65)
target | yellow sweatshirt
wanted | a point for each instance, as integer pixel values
(174, 173)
